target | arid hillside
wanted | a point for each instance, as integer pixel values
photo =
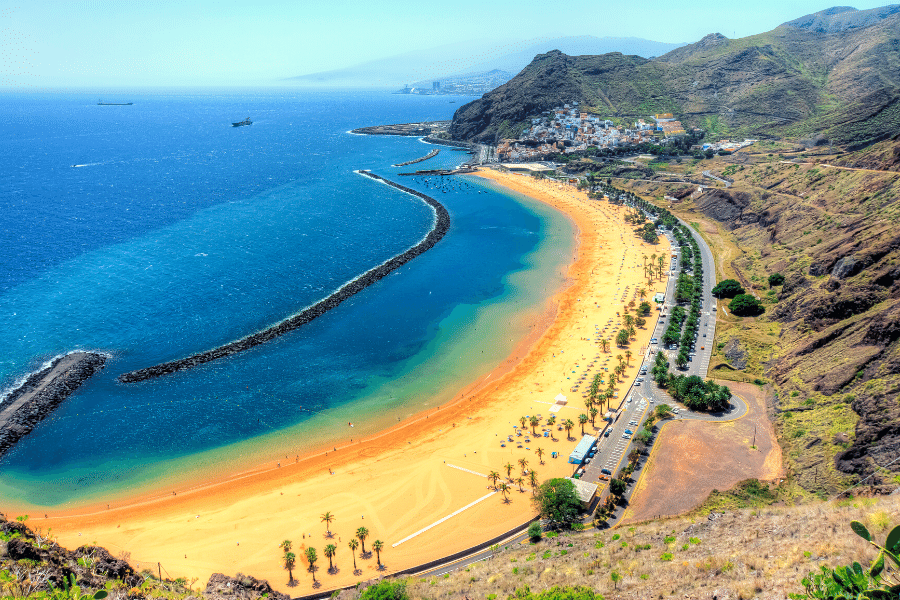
(828, 340)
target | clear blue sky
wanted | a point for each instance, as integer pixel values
(103, 43)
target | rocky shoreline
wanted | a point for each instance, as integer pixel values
(42, 392)
(440, 228)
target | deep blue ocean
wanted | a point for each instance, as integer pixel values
(157, 230)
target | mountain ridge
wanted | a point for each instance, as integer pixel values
(790, 81)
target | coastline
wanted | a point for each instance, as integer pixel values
(395, 480)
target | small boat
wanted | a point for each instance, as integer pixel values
(246, 121)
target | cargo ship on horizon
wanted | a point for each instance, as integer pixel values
(246, 121)
(102, 103)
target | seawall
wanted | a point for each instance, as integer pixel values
(431, 154)
(42, 392)
(438, 230)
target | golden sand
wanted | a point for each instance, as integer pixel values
(422, 471)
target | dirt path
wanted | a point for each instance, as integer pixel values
(692, 458)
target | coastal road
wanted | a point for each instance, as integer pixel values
(612, 452)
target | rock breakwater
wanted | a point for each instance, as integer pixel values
(438, 230)
(42, 392)
(431, 154)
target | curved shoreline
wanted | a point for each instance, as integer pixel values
(438, 230)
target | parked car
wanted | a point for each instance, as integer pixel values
(629, 432)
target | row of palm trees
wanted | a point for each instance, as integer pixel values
(289, 558)
(649, 268)
(504, 487)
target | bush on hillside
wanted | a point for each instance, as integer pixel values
(386, 589)
(745, 305)
(729, 288)
(534, 532)
(776, 279)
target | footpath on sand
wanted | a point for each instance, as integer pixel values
(400, 482)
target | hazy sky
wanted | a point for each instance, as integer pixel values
(96, 43)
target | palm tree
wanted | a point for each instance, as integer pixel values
(520, 481)
(568, 425)
(628, 356)
(285, 545)
(629, 320)
(353, 544)
(330, 551)
(662, 261)
(289, 560)
(509, 468)
(534, 423)
(504, 489)
(532, 481)
(642, 293)
(604, 344)
(582, 419)
(378, 546)
(494, 476)
(540, 453)
(362, 533)
(523, 463)
(594, 413)
(311, 558)
(522, 421)
(551, 421)
(327, 518)
(619, 358)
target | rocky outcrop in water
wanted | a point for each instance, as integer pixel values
(440, 228)
(42, 392)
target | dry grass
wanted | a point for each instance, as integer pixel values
(751, 553)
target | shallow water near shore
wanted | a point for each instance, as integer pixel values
(180, 233)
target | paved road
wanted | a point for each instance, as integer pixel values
(711, 176)
(612, 451)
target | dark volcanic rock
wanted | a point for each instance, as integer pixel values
(241, 587)
(731, 208)
(736, 355)
(846, 267)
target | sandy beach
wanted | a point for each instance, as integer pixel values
(420, 487)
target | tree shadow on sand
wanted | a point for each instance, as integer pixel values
(382, 567)
(357, 572)
(333, 571)
(365, 555)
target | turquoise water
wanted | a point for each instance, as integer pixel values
(178, 233)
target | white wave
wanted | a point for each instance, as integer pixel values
(4, 394)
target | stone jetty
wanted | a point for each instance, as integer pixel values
(431, 154)
(42, 392)
(438, 230)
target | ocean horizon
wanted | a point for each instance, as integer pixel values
(153, 231)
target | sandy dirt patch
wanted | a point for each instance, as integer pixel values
(690, 459)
